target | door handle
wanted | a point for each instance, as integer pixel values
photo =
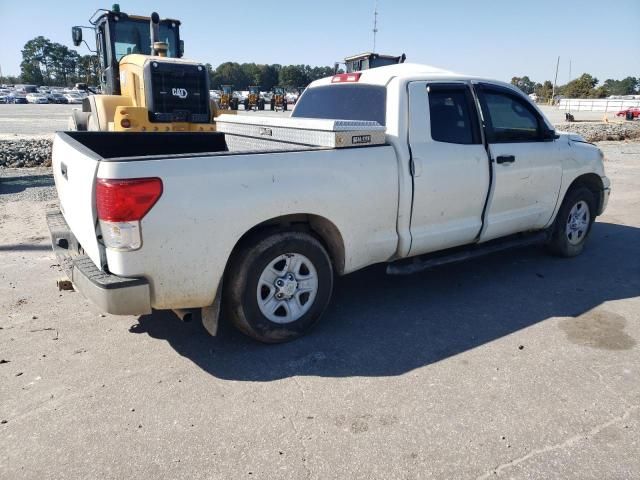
(506, 159)
(63, 170)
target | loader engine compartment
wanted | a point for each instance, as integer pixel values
(176, 92)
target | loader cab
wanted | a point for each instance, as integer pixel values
(365, 61)
(118, 34)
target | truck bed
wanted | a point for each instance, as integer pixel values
(235, 135)
(212, 194)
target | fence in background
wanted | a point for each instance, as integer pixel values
(596, 105)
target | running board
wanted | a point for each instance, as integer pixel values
(466, 252)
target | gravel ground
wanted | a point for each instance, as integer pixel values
(595, 132)
(517, 366)
(27, 184)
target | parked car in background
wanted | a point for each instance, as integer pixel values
(73, 98)
(4, 98)
(37, 98)
(56, 97)
(632, 111)
(26, 89)
(18, 98)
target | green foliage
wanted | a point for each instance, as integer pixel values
(48, 63)
(266, 76)
(294, 75)
(581, 87)
(626, 86)
(585, 86)
(544, 91)
(9, 80)
(524, 83)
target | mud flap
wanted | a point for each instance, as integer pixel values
(210, 315)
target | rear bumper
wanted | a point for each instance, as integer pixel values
(113, 294)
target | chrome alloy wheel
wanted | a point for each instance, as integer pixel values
(287, 288)
(578, 222)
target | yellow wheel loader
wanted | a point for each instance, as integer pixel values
(227, 100)
(145, 84)
(254, 100)
(278, 99)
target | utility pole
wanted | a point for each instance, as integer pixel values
(555, 81)
(375, 25)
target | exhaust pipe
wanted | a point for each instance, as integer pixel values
(183, 314)
(154, 31)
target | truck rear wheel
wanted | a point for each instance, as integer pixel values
(573, 223)
(278, 286)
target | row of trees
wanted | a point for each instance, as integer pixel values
(266, 76)
(585, 86)
(48, 63)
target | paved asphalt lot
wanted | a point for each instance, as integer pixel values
(518, 365)
(46, 119)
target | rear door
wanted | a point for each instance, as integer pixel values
(450, 165)
(526, 163)
(74, 171)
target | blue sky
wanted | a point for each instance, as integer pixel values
(492, 38)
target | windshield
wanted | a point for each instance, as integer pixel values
(344, 102)
(133, 36)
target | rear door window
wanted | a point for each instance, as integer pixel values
(344, 102)
(453, 115)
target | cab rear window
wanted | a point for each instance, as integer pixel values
(344, 102)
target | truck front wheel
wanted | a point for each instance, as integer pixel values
(573, 223)
(278, 286)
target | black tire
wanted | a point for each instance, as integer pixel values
(244, 272)
(560, 244)
(246, 104)
(284, 106)
(261, 105)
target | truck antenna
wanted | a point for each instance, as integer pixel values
(375, 25)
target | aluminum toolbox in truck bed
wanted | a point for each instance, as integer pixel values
(307, 132)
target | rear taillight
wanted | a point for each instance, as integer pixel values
(346, 77)
(121, 204)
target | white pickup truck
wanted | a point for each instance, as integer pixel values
(423, 167)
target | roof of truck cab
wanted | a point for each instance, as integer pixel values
(382, 75)
(409, 72)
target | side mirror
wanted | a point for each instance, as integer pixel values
(76, 36)
(549, 135)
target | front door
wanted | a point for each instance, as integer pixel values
(526, 164)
